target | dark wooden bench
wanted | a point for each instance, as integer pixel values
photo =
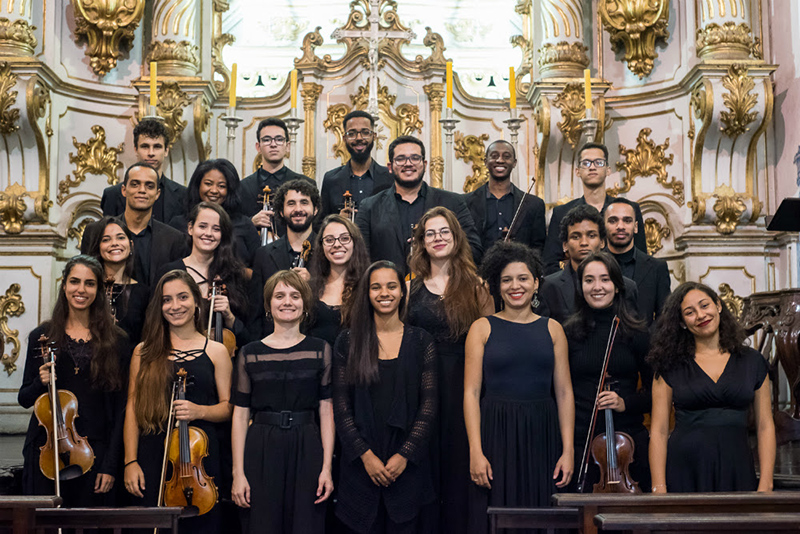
(591, 504)
(763, 523)
(17, 513)
(117, 519)
(544, 518)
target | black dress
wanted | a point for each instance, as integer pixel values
(519, 421)
(326, 322)
(283, 463)
(709, 450)
(450, 447)
(100, 420)
(129, 305)
(201, 388)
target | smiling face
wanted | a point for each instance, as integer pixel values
(177, 303)
(621, 226)
(213, 187)
(700, 313)
(360, 146)
(500, 160)
(141, 190)
(406, 172)
(298, 211)
(583, 238)
(598, 289)
(336, 252)
(438, 237)
(385, 291)
(517, 285)
(205, 232)
(286, 304)
(80, 288)
(115, 247)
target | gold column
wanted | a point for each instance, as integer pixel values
(175, 37)
(563, 52)
(16, 31)
(310, 92)
(435, 93)
(724, 31)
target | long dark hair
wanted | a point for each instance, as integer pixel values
(231, 203)
(582, 322)
(121, 303)
(225, 263)
(105, 369)
(155, 369)
(320, 267)
(673, 344)
(362, 360)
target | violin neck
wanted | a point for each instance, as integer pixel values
(611, 447)
(218, 326)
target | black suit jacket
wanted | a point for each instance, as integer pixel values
(168, 245)
(378, 219)
(553, 251)
(529, 228)
(557, 295)
(169, 204)
(337, 181)
(250, 188)
(653, 283)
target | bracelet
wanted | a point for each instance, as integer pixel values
(131, 462)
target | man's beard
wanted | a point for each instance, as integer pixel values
(360, 157)
(406, 184)
(299, 228)
(622, 244)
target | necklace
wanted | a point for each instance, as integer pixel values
(79, 352)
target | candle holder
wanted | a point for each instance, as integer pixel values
(514, 123)
(293, 123)
(589, 126)
(448, 122)
(153, 114)
(231, 123)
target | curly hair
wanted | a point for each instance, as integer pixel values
(152, 129)
(673, 344)
(228, 171)
(501, 255)
(577, 215)
(461, 305)
(304, 187)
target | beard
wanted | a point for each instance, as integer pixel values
(299, 228)
(623, 243)
(408, 184)
(360, 157)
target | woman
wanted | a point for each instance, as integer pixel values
(384, 402)
(174, 340)
(516, 357)
(601, 298)
(282, 462)
(704, 369)
(91, 357)
(445, 298)
(335, 274)
(113, 248)
(212, 259)
(217, 181)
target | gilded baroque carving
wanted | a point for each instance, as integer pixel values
(435, 94)
(333, 123)
(472, 149)
(571, 103)
(8, 116)
(563, 52)
(108, 27)
(11, 305)
(12, 208)
(729, 208)
(655, 233)
(17, 34)
(310, 92)
(86, 212)
(309, 166)
(218, 43)
(727, 38)
(734, 303)
(635, 25)
(183, 53)
(647, 159)
(171, 103)
(739, 101)
(202, 122)
(94, 157)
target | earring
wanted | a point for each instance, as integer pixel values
(683, 325)
(535, 301)
(269, 315)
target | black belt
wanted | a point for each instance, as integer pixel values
(284, 419)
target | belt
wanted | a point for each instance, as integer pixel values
(284, 419)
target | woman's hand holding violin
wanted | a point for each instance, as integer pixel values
(610, 399)
(188, 411)
(44, 373)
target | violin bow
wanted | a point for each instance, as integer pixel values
(519, 208)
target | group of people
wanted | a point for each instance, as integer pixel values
(392, 365)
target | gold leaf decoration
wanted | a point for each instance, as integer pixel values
(635, 25)
(734, 303)
(739, 101)
(333, 123)
(108, 27)
(11, 305)
(472, 149)
(573, 107)
(563, 53)
(86, 212)
(220, 40)
(728, 39)
(646, 159)
(94, 157)
(12, 208)
(171, 103)
(202, 122)
(17, 36)
(729, 208)
(655, 233)
(180, 56)
(8, 117)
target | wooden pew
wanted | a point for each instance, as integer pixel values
(763, 523)
(109, 518)
(17, 512)
(592, 504)
(543, 518)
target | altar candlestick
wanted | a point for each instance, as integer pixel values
(294, 88)
(587, 86)
(153, 83)
(449, 80)
(232, 92)
(512, 88)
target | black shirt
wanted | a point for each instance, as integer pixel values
(626, 262)
(142, 242)
(362, 186)
(410, 213)
(499, 213)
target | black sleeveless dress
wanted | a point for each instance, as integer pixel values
(519, 419)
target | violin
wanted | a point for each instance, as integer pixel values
(267, 234)
(189, 486)
(613, 454)
(66, 454)
(411, 276)
(350, 205)
(302, 260)
(219, 332)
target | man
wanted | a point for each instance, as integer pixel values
(362, 176)
(154, 243)
(151, 142)
(272, 142)
(650, 274)
(494, 204)
(593, 168)
(582, 233)
(386, 220)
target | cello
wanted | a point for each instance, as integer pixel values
(219, 332)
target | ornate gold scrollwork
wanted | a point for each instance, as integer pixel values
(171, 103)
(563, 53)
(647, 159)
(472, 149)
(729, 208)
(333, 123)
(734, 302)
(310, 92)
(182, 54)
(573, 107)
(11, 305)
(729, 39)
(12, 208)
(88, 212)
(635, 25)
(739, 101)
(94, 157)
(219, 41)
(435, 94)
(108, 27)
(8, 117)
(655, 233)
(202, 121)
(17, 34)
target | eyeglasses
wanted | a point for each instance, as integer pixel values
(352, 134)
(444, 233)
(279, 140)
(343, 239)
(599, 163)
(413, 158)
